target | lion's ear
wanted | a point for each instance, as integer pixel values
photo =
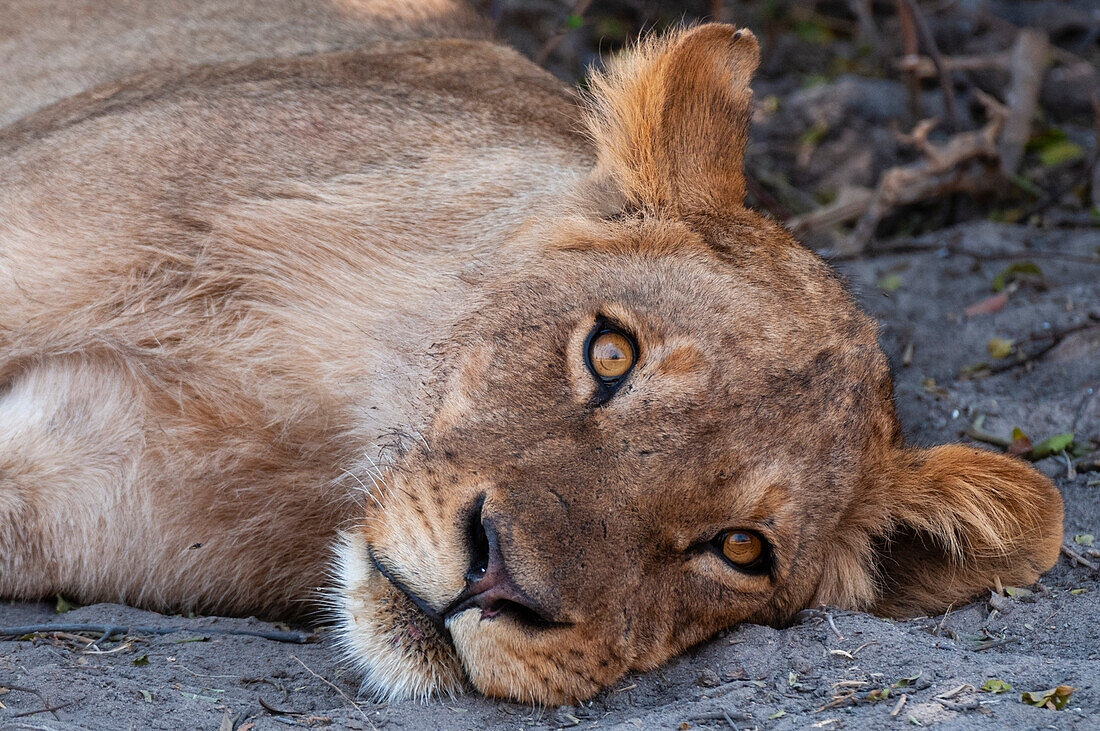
(958, 519)
(670, 119)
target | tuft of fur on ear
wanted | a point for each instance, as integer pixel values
(956, 520)
(670, 118)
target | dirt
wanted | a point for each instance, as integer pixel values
(832, 669)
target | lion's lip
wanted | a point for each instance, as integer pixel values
(432, 615)
(463, 602)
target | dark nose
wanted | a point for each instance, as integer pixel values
(489, 586)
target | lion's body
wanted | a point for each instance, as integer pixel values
(166, 392)
(54, 49)
(285, 280)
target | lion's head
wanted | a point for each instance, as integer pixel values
(666, 418)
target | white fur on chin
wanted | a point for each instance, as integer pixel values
(391, 670)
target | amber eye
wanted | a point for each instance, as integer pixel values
(610, 355)
(741, 548)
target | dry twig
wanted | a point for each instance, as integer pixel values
(1053, 337)
(864, 646)
(919, 26)
(332, 685)
(971, 705)
(944, 170)
(37, 694)
(109, 629)
(48, 709)
(1078, 558)
(955, 691)
(911, 47)
(924, 68)
(996, 643)
(851, 202)
(838, 700)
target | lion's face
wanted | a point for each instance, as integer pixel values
(566, 519)
(669, 421)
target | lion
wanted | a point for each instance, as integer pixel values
(345, 304)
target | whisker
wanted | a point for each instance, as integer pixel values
(366, 489)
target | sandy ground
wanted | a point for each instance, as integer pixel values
(750, 676)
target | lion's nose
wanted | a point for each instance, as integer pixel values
(489, 586)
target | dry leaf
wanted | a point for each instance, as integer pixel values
(1021, 270)
(1051, 445)
(1055, 699)
(1020, 443)
(988, 306)
(1000, 347)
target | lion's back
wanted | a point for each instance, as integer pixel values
(53, 49)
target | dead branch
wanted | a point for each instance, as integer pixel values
(911, 47)
(851, 202)
(1051, 339)
(972, 162)
(335, 687)
(920, 24)
(946, 169)
(923, 66)
(1078, 558)
(908, 246)
(1059, 54)
(1029, 59)
(37, 694)
(107, 630)
(996, 643)
(48, 709)
(958, 707)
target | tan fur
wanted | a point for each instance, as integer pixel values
(302, 294)
(669, 120)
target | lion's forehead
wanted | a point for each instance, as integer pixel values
(746, 290)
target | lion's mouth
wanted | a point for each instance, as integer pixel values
(434, 618)
(466, 601)
(396, 639)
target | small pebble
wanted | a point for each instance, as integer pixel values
(708, 679)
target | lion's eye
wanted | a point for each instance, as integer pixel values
(744, 549)
(611, 354)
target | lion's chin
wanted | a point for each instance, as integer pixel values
(400, 653)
